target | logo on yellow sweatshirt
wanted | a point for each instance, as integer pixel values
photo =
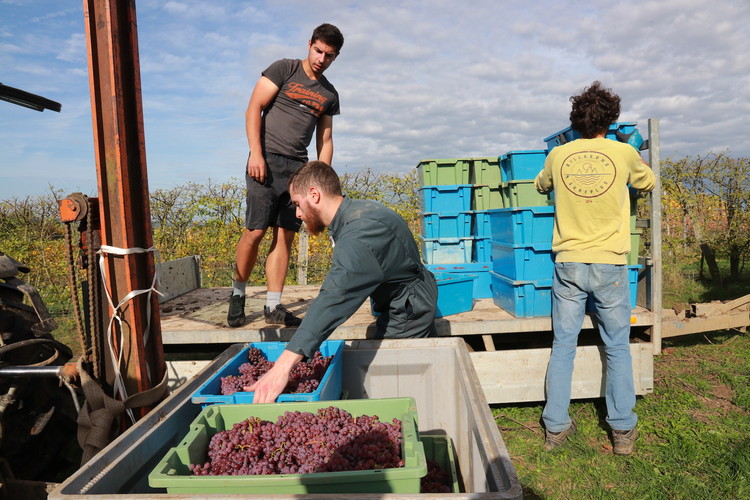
(588, 174)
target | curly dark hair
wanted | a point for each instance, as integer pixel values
(330, 35)
(594, 110)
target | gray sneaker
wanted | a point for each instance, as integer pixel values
(280, 316)
(623, 441)
(554, 439)
(236, 313)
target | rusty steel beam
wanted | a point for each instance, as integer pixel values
(125, 214)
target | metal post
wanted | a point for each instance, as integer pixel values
(115, 84)
(656, 270)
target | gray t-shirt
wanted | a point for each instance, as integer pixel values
(289, 121)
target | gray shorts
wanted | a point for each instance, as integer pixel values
(268, 204)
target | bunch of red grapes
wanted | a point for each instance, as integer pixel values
(304, 378)
(330, 440)
(436, 480)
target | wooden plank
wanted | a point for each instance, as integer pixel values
(199, 316)
(690, 326)
(516, 376)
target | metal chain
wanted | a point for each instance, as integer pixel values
(73, 285)
(94, 295)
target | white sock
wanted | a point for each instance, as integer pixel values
(273, 299)
(238, 287)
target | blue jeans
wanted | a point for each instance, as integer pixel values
(609, 288)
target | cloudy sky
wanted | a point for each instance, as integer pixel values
(417, 79)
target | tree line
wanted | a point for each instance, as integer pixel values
(705, 219)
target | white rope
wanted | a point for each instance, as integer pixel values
(119, 385)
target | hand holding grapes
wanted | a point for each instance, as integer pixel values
(272, 383)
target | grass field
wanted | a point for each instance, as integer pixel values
(695, 433)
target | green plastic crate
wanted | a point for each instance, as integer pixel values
(635, 246)
(444, 172)
(440, 449)
(173, 472)
(485, 171)
(522, 194)
(486, 198)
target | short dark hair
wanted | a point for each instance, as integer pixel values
(330, 35)
(594, 110)
(319, 174)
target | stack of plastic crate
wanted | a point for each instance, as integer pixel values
(522, 261)
(455, 195)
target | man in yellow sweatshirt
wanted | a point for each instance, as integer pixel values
(591, 240)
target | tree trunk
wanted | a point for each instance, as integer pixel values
(710, 256)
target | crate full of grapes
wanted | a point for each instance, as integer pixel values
(313, 379)
(323, 447)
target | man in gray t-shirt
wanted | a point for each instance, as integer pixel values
(291, 100)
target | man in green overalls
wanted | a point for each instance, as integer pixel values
(374, 255)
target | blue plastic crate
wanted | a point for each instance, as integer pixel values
(446, 250)
(482, 251)
(481, 224)
(522, 225)
(522, 299)
(480, 270)
(447, 225)
(448, 198)
(454, 293)
(329, 389)
(624, 132)
(523, 262)
(520, 165)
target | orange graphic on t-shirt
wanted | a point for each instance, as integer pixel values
(313, 100)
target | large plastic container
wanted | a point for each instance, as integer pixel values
(444, 172)
(521, 165)
(484, 171)
(522, 225)
(481, 288)
(523, 261)
(437, 372)
(454, 293)
(448, 198)
(447, 225)
(173, 471)
(522, 194)
(487, 198)
(440, 449)
(624, 132)
(482, 251)
(328, 389)
(446, 250)
(522, 299)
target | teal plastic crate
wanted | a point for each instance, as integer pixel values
(446, 250)
(454, 293)
(626, 132)
(481, 288)
(439, 448)
(444, 172)
(448, 198)
(522, 225)
(447, 225)
(522, 299)
(523, 261)
(485, 171)
(522, 194)
(521, 165)
(481, 227)
(486, 198)
(482, 251)
(173, 472)
(329, 388)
